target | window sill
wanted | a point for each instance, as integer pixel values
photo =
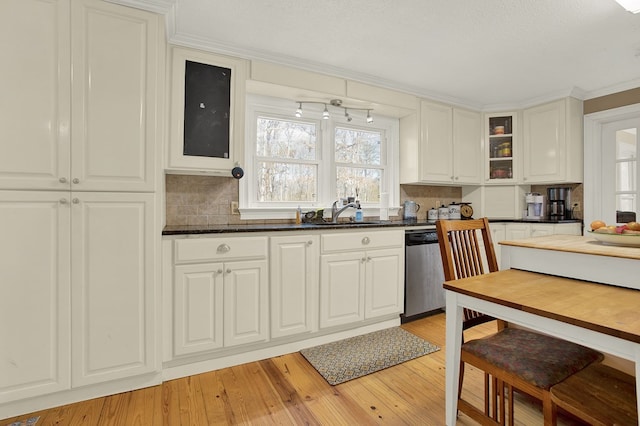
(289, 213)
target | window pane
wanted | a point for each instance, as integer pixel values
(286, 139)
(286, 181)
(357, 146)
(626, 144)
(626, 176)
(365, 181)
(626, 202)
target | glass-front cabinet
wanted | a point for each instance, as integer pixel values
(500, 147)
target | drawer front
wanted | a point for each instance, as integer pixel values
(220, 249)
(361, 240)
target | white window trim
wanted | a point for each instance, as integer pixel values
(326, 193)
(594, 209)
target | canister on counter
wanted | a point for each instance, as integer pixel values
(443, 213)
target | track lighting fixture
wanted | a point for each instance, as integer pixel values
(337, 103)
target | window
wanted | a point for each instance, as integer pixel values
(611, 180)
(310, 162)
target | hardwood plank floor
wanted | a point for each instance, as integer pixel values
(286, 390)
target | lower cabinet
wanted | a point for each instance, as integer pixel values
(502, 231)
(294, 284)
(361, 276)
(78, 297)
(220, 293)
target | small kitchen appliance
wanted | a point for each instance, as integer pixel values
(410, 210)
(534, 209)
(559, 203)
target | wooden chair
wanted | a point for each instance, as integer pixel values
(512, 357)
(599, 395)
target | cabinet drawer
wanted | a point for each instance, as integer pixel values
(216, 249)
(361, 240)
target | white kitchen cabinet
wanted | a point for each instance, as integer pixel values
(219, 154)
(294, 261)
(113, 286)
(220, 294)
(552, 142)
(35, 310)
(96, 129)
(442, 147)
(361, 276)
(501, 148)
(198, 308)
(83, 256)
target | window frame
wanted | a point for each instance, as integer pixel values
(284, 109)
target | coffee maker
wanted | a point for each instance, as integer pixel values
(535, 203)
(559, 203)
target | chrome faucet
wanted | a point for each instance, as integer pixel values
(335, 211)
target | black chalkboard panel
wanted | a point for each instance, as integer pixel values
(207, 101)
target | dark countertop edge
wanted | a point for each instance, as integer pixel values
(276, 227)
(220, 229)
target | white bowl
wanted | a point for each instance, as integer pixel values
(630, 240)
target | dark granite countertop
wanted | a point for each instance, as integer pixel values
(221, 229)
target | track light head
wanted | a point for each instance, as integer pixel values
(334, 103)
(299, 110)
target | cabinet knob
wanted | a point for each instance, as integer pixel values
(364, 259)
(228, 270)
(368, 259)
(457, 177)
(219, 271)
(62, 180)
(309, 242)
(63, 201)
(366, 240)
(75, 201)
(223, 248)
(75, 180)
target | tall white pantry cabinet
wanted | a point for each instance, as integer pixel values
(78, 239)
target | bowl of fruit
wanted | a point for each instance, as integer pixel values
(627, 234)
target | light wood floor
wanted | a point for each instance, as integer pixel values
(286, 390)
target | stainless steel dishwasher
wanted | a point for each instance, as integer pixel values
(423, 275)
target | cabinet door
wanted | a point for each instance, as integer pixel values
(218, 160)
(384, 282)
(467, 131)
(516, 231)
(245, 302)
(341, 288)
(34, 294)
(498, 233)
(436, 143)
(544, 143)
(197, 308)
(294, 284)
(35, 84)
(114, 134)
(113, 286)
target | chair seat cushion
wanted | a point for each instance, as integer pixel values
(536, 358)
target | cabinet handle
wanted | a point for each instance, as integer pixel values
(366, 240)
(75, 180)
(63, 201)
(62, 180)
(309, 242)
(228, 270)
(368, 259)
(364, 259)
(219, 271)
(223, 248)
(457, 177)
(75, 201)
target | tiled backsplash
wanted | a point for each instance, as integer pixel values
(206, 200)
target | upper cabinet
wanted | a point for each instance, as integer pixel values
(93, 129)
(207, 112)
(501, 148)
(553, 143)
(441, 147)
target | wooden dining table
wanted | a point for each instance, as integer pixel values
(601, 316)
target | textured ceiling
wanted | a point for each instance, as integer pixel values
(481, 53)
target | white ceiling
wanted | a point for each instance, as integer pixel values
(486, 54)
